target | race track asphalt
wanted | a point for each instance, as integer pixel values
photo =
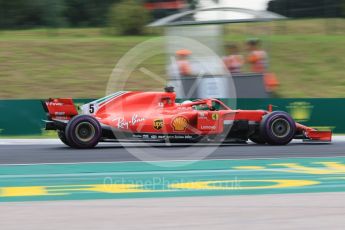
(250, 204)
(115, 152)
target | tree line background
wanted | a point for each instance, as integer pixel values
(54, 13)
(308, 8)
(16, 14)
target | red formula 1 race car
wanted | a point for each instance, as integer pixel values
(155, 116)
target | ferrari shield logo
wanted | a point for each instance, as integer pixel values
(158, 124)
(215, 116)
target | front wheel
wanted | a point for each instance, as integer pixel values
(277, 128)
(83, 132)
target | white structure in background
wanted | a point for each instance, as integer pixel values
(248, 4)
(204, 26)
(219, 15)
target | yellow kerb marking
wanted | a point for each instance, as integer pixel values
(250, 167)
(118, 188)
(320, 168)
(103, 188)
(23, 191)
(326, 168)
(238, 184)
(70, 189)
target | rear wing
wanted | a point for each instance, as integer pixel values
(60, 109)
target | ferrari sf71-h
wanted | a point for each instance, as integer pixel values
(155, 116)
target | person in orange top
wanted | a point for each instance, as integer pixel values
(183, 63)
(257, 57)
(234, 62)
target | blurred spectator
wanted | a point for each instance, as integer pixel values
(257, 57)
(234, 61)
(183, 63)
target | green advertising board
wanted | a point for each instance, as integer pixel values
(25, 117)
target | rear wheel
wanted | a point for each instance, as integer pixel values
(83, 131)
(278, 128)
(257, 139)
(62, 136)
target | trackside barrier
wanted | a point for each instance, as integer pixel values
(25, 117)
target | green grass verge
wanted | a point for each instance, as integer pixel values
(307, 56)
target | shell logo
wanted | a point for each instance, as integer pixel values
(179, 123)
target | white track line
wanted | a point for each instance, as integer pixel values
(169, 161)
(57, 141)
(19, 142)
